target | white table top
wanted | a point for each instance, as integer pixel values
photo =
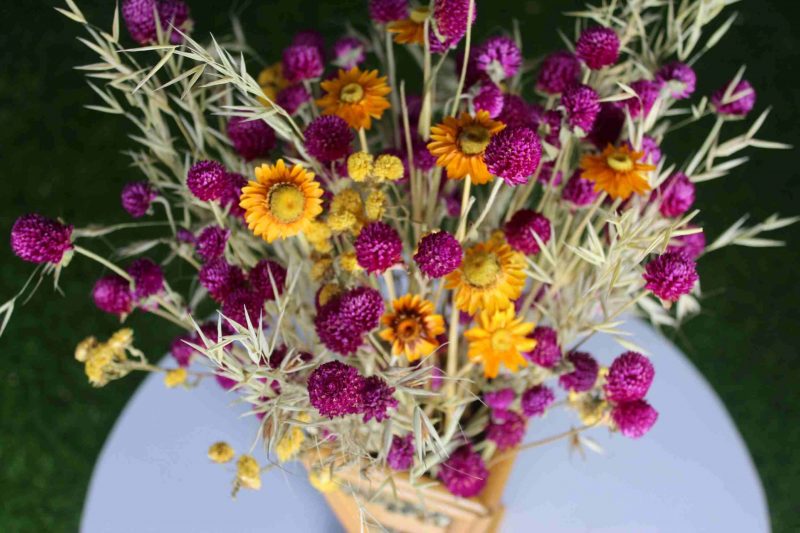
(692, 472)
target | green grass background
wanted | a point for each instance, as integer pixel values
(60, 159)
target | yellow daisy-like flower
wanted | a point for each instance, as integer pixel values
(459, 145)
(271, 81)
(221, 452)
(412, 327)
(355, 96)
(617, 171)
(248, 472)
(282, 203)
(290, 444)
(412, 29)
(175, 377)
(490, 277)
(499, 338)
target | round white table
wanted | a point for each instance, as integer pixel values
(692, 472)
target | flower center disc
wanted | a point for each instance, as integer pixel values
(620, 162)
(408, 329)
(286, 203)
(351, 93)
(502, 341)
(473, 140)
(481, 270)
(419, 14)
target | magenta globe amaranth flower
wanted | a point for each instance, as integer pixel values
(385, 11)
(438, 254)
(136, 198)
(499, 399)
(264, 275)
(363, 307)
(559, 71)
(634, 419)
(506, 429)
(377, 398)
(341, 323)
(650, 147)
(210, 244)
(293, 97)
(582, 105)
(547, 352)
(310, 38)
(302, 62)
(671, 275)
(516, 113)
(220, 278)
(691, 245)
(243, 303)
(139, 17)
(608, 125)
(736, 102)
(679, 78)
(464, 473)
(334, 389)
(112, 294)
(520, 228)
(328, 138)
(514, 154)
(647, 92)
(579, 191)
(487, 96)
(536, 400)
(451, 17)
(401, 453)
(629, 378)
(677, 195)
(251, 138)
(498, 57)
(584, 375)
(348, 52)
(148, 278)
(378, 247)
(208, 180)
(38, 239)
(598, 47)
(181, 351)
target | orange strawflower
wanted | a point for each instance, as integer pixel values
(356, 96)
(459, 144)
(271, 81)
(412, 327)
(499, 338)
(283, 201)
(412, 29)
(617, 171)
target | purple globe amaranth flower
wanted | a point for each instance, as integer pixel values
(264, 274)
(136, 198)
(739, 102)
(139, 17)
(629, 377)
(220, 278)
(348, 52)
(598, 47)
(310, 38)
(579, 191)
(232, 194)
(148, 278)
(401, 453)
(520, 228)
(547, 352)
(251, 138)
(499, 399)
(378, 247)
(634, 419)
(608, 125)
(691, 245)
(293, 97)
(363, 307)
(582, 105)
(677, 195)
(181, 351)
(536, 400)
(302, 62)
(559, 71)
(241, 303)
(112, 294)
(334, 389)
(487, 96)
(343, 320)
(516, 112)
(451, 17)
(377, 398)
(208, 180)
(225, 382)
(650, 148)
(328, 138)
(385, 11)
(499, 57)
(506, 429)
(423, 158)
(548, 177)
(438, 254)
(551, 125)
(38, 239)
(464, 473)
(514, 154)
(671, 275)
(584, 375)
(184, 236)
(647, 92)
(210, 244)
(679, 78)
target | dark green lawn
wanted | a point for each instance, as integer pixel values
(61, 159)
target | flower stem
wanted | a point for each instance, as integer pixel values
(105, 262)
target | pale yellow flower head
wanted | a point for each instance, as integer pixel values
(220, 452)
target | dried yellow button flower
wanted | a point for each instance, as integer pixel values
(84, 348)
(388, 167)
(359, 166)
(290, 444)
(374, 205)
(175, 377)
(248, 472)
(220, 452)
(322, 480)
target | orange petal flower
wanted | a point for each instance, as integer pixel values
(355, 96)
(459, 145)
(499, 338)
(412, 29)
(617, 171)
(412, 327)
